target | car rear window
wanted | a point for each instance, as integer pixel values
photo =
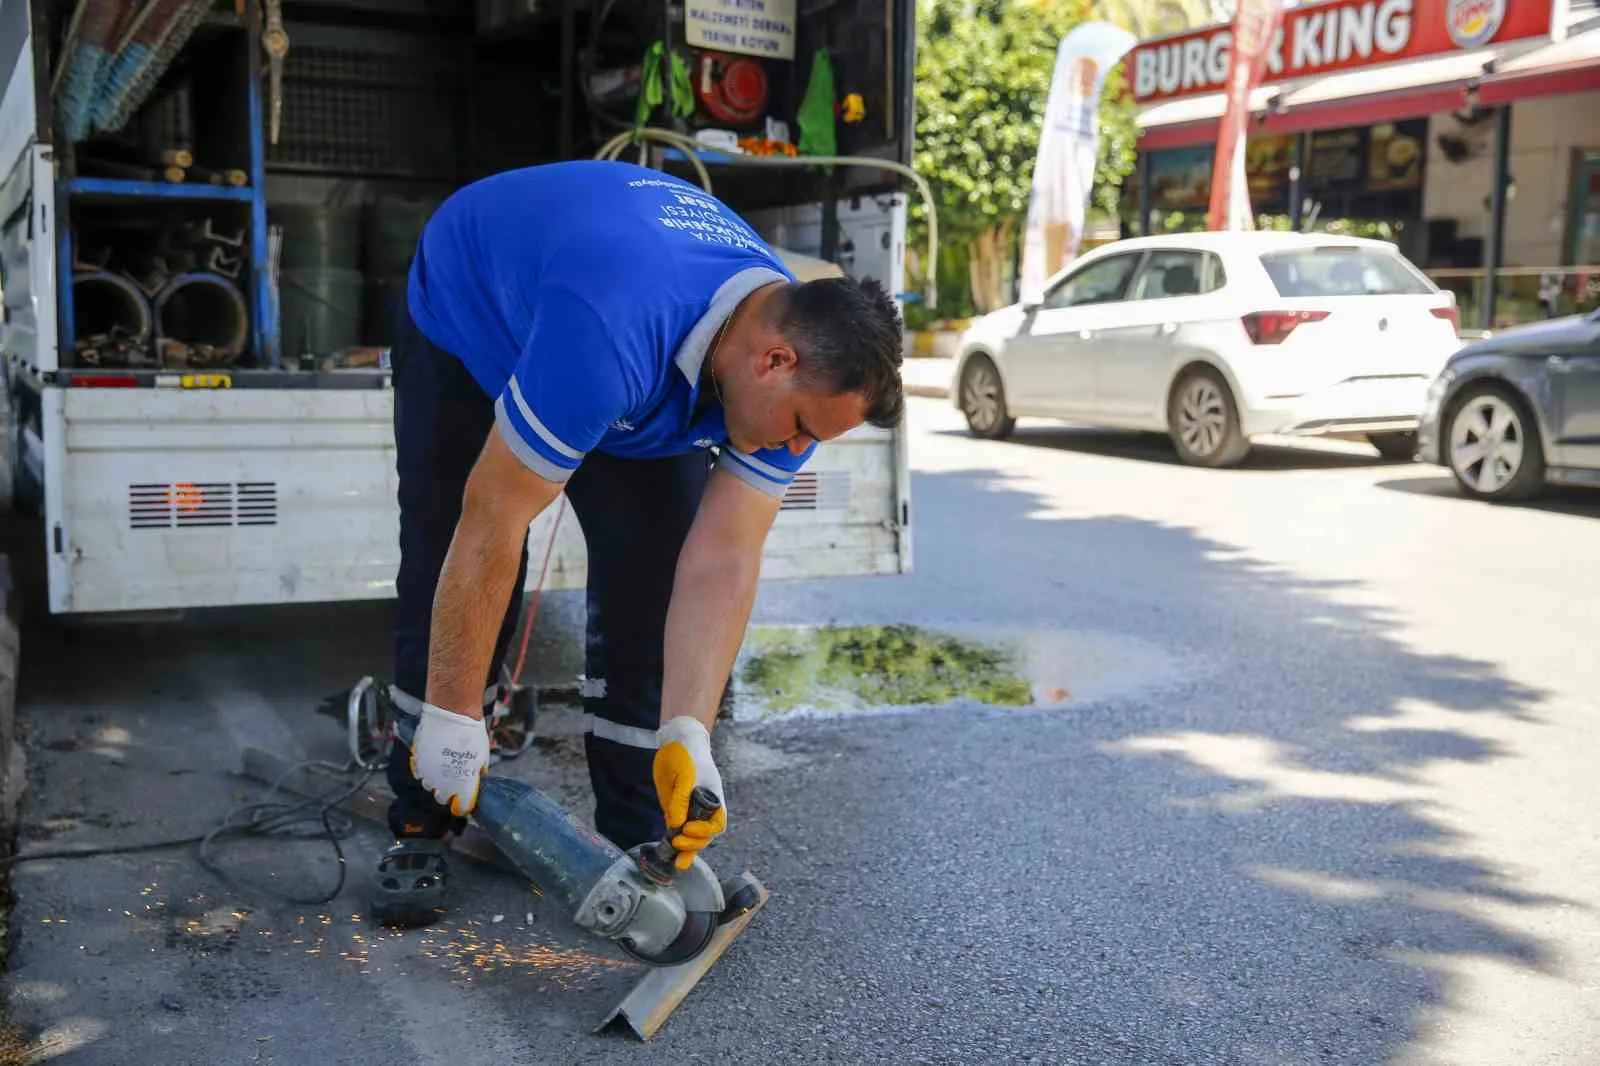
(1342, 271)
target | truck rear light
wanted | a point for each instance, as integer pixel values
(1271, 327)
(105, 381)
(1450, 315)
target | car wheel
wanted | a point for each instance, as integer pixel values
(1494, 448)
(1396, 447)
(983, 400)
(1203, 420)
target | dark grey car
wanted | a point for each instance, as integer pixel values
(1519, 410)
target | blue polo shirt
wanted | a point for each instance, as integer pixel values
(584, 297)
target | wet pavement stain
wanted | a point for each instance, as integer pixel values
(787, 670)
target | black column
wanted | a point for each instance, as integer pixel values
(1494, 244)
(1297, 179)
(1144, 194)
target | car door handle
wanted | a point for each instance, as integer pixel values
(1167, 328)
(1086, 334)
(1558, 364)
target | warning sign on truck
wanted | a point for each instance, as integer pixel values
(750, 27)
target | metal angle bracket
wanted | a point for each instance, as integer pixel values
(648, 1005)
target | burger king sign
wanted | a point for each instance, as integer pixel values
(1473, 22)
(1334, 35)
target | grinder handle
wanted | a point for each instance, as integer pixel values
(656, 860)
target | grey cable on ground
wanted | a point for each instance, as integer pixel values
(316, 818)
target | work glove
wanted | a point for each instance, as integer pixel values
(683, 762)
(449, 753)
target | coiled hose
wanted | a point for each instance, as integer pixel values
(614, 148)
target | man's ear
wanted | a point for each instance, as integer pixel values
(779, 357)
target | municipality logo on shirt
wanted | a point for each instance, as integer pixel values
(624, 425)
(704, 442)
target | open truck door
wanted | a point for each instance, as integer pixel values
(28, 256)
(197, 313)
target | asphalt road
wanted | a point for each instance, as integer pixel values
(1321, 792)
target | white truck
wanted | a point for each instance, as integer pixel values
(194, 362)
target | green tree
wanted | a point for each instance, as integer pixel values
(983, 75)
(982, 79)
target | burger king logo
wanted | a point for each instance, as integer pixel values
(1473, 22)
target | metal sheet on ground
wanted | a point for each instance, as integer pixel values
(646, 1007)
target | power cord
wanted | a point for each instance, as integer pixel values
(316, 818)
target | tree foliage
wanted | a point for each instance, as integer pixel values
(982, 78)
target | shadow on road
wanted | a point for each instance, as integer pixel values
(1243, 866)
(1241, 863)
(1156, 448)
(1582, 503)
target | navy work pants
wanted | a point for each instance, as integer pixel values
(635, 514)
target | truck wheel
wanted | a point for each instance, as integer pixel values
(1493, 446)
(983, 400)
(1203, 420)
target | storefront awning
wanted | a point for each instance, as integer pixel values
(1518, 70)
(1569, 66)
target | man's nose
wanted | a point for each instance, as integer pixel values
(799, 443)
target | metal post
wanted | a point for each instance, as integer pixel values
(1145, 198)
(1494, 243)
(830, 216)
(1297, 179)
(569, 85)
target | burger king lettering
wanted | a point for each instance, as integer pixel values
(1327, 37)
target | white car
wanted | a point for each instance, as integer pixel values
(1217, 338)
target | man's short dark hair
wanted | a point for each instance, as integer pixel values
(847, 334)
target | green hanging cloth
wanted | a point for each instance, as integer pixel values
(816, 115)
(650, 86)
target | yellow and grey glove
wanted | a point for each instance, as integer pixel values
(449, 754)
(683, 762)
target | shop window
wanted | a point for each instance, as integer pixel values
(1583, 219)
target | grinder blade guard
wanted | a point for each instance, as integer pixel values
(600, 886)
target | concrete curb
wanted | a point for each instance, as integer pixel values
(940, 343)
(927, 375)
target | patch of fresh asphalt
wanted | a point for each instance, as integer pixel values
(1337, 811)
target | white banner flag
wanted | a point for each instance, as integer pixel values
(1063, 173)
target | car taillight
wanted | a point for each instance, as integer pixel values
(1450, 315)
(1271, 327)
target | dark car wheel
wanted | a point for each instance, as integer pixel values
(1395, 447)
(1204, 421)
(983, 400)
(1493, 446)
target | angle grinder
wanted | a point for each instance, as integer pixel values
(638, 899)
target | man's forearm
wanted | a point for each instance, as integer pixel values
(711, 601)
(475, 585)
(468, 607)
